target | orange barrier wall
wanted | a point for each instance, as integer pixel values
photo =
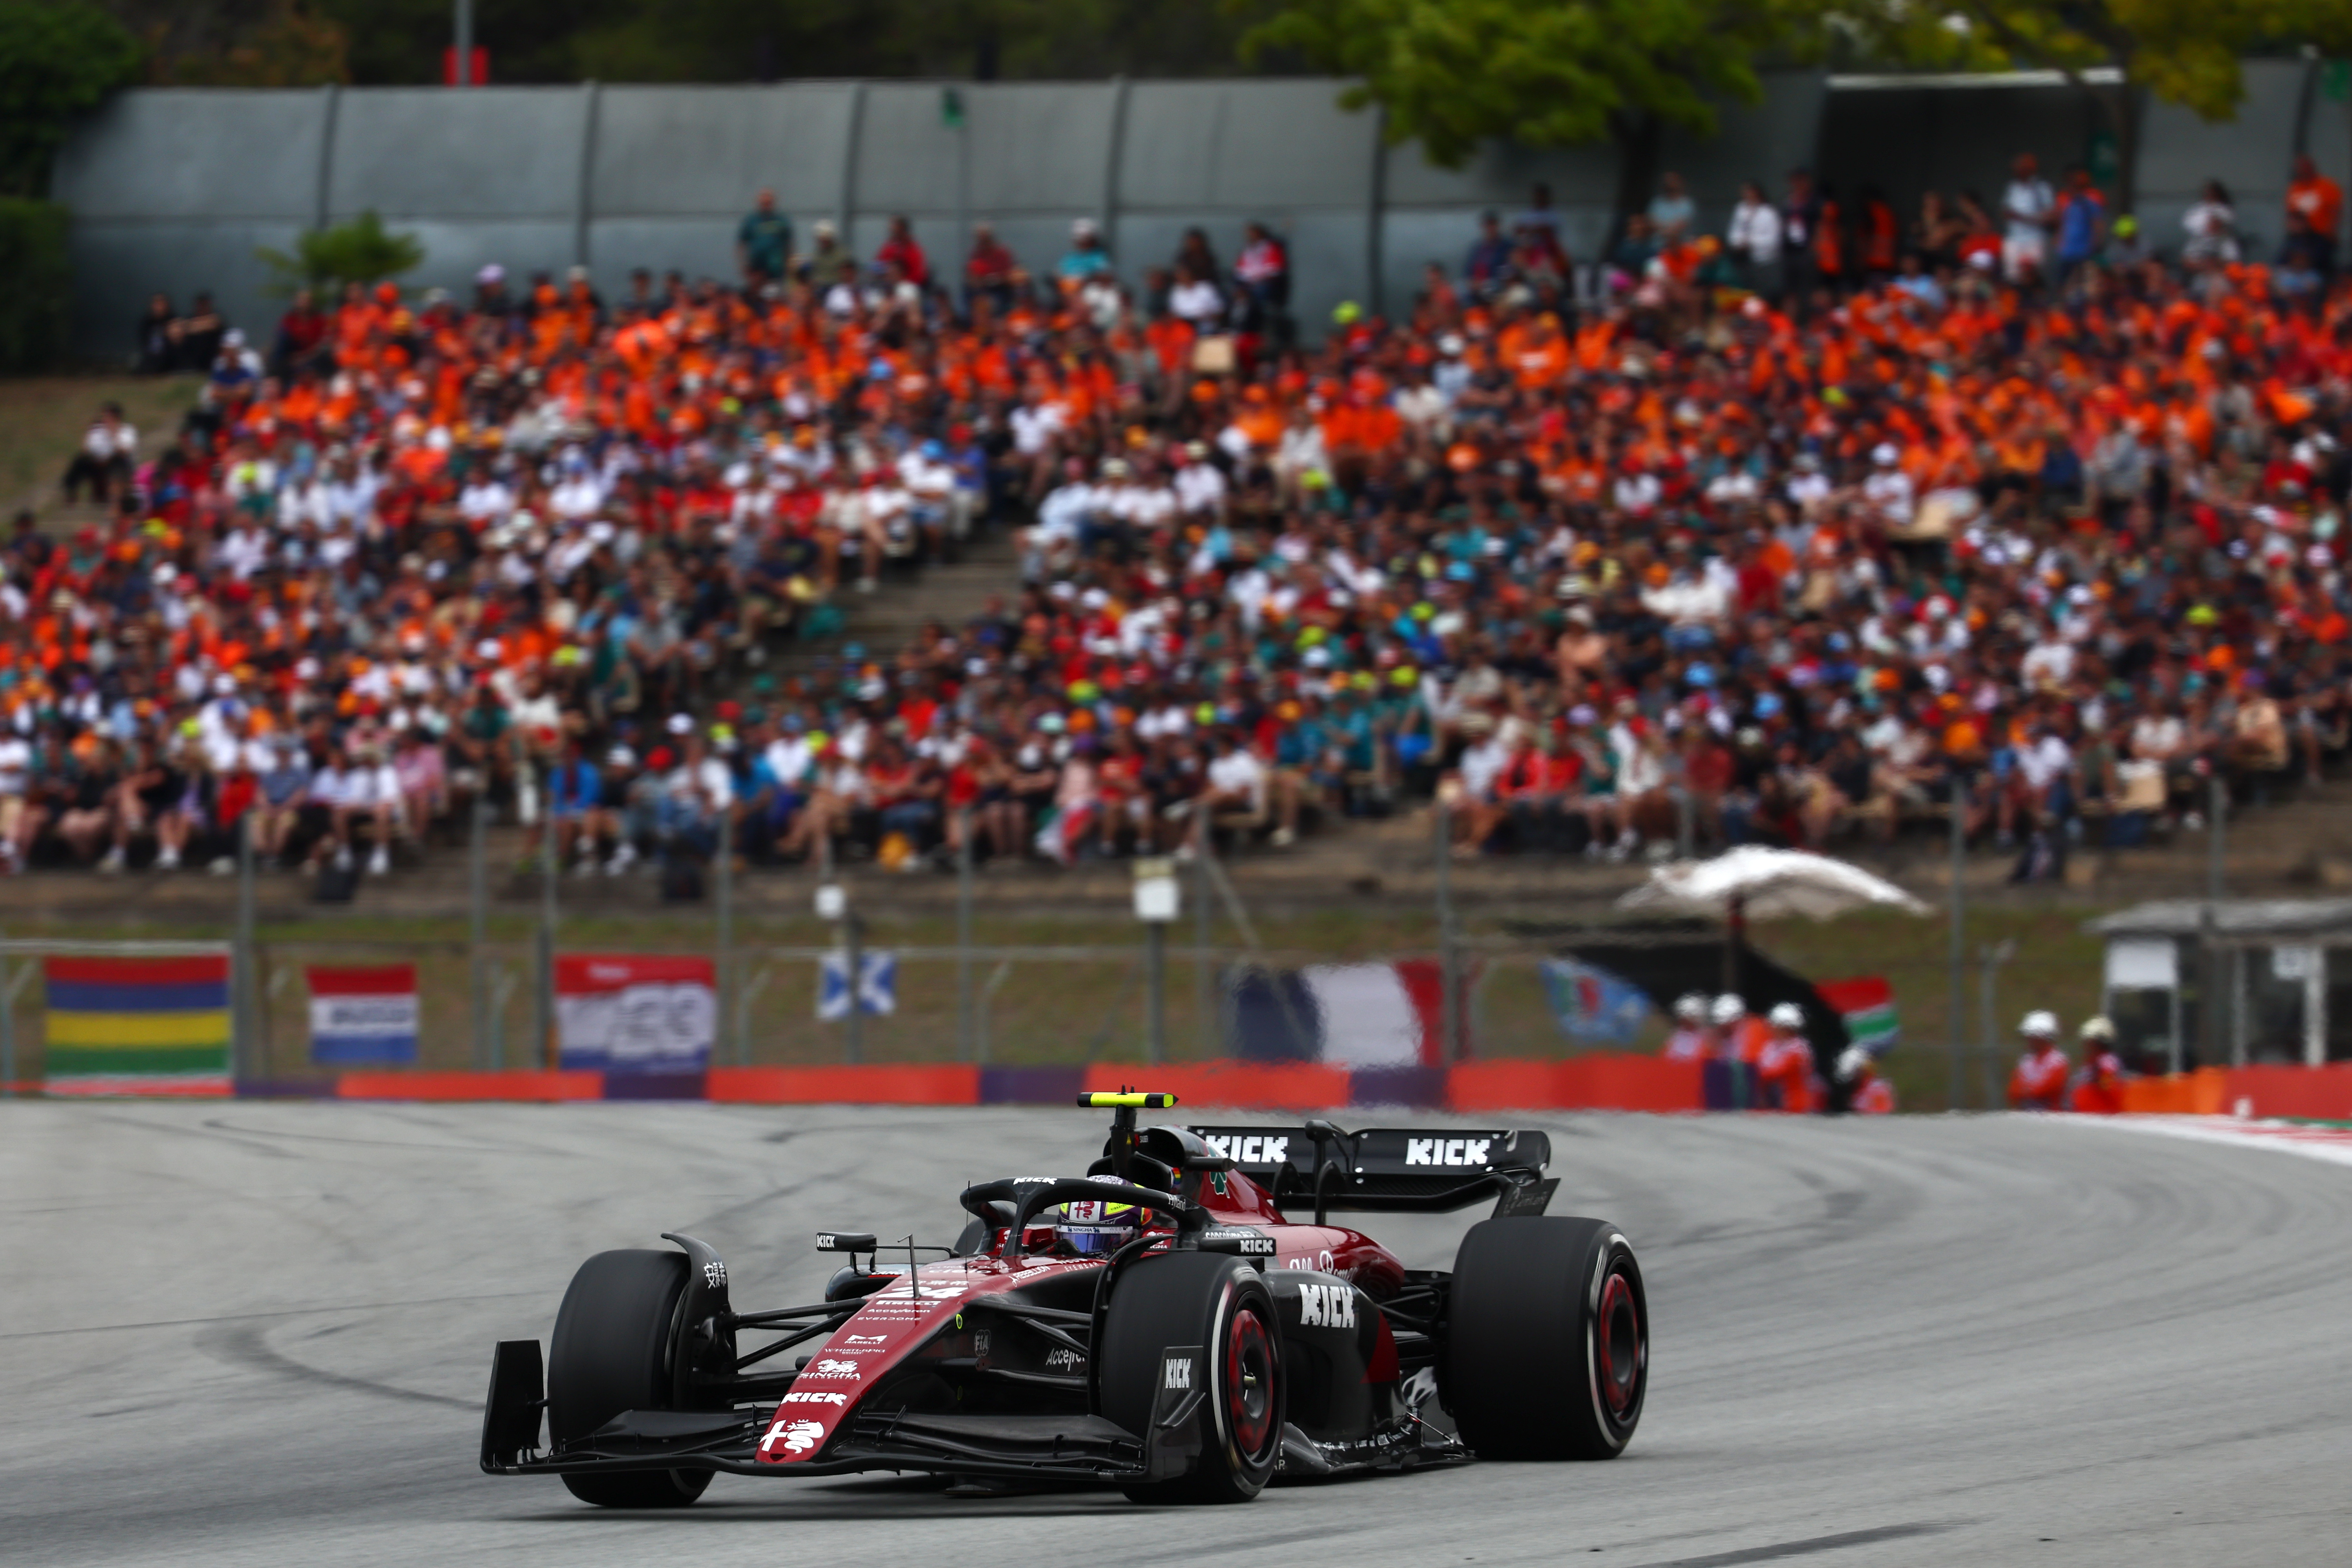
(2323, 1093)
(1269, 1086)
(529, 1085)
(1601, 1082)
(879, 1084)
(2199, 1093)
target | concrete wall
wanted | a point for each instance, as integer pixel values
(172, 189)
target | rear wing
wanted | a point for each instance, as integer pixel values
(1390, 1170)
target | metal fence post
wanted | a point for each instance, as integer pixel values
(478, 898)
(963, 935)
(2208, 929)
(1204, 1001)
(1959, 1002)
(242, 1017)
(7, 1027)
(1992, 957)
(1155, 962)
(1448, 967)
(549, 872)
(723, 893)
(853, 1040)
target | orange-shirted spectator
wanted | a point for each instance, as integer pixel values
(1784, 1066)
(2319, 202)
(1739, 1035)
(1867, 1091)
(2039, 1082)
(2098, 1085)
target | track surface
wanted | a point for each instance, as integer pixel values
(260, 1333)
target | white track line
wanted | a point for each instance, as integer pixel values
(2333, 1145)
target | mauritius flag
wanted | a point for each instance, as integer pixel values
(1867, 1006)
(138, 1025)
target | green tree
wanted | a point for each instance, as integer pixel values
(57, 60)
(359, 251)
(1454, 74)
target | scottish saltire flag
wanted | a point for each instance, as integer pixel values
(363, 1016)
(138, 1025)
(1867, 1006)
(1592, 1003)
(877, 985)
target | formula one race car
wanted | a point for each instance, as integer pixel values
(1158, 1324)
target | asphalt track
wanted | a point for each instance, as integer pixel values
(261, 1333)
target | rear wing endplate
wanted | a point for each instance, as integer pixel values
(1383, 1170)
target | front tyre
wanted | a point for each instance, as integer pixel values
(1223, 1306)
(615, 1348)
(1548, 1346)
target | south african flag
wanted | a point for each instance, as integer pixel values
(1867, 1006)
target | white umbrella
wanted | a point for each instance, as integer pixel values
(1766, 884)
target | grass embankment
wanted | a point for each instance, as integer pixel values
(42, 419)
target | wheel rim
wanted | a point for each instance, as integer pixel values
(1618, 1347)
(1249, 1384)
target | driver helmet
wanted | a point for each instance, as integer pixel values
(1093, 1228)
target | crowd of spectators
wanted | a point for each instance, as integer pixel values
(1797, 528)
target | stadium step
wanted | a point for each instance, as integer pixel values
(883, 623)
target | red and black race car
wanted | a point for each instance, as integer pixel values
(1160, 1325)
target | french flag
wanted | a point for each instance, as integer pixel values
(364, 1015)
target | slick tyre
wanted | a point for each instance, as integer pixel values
(1222, 1305)
(1548, 1347)
(614, 1350)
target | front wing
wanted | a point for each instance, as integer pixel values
(1076, 1447)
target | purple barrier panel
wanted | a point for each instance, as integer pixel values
(1031, 1085)
(1415, 1085)
(655, 1086)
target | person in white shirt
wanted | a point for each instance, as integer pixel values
(1755, 236)
(102, 465)
(2031, 209)
(1888, 489)
(1236, 783)
(16, 781)
(1200, 483)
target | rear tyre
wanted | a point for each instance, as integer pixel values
(1548, 1347)
(614, 1350)
(1222, 1305)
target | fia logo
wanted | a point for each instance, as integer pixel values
(1179, 1371)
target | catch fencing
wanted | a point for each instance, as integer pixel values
(689, 996)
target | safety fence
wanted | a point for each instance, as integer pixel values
(1481, 1023)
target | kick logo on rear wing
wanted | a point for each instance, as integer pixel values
(1383, 1167)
